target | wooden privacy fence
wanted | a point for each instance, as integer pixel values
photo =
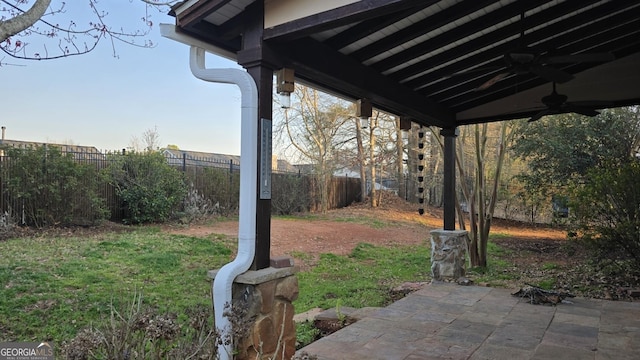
(213, 179)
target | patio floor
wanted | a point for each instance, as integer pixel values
(448, 321)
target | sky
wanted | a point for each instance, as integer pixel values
(102, 101)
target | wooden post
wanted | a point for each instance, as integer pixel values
(252, 57)
(449, 188)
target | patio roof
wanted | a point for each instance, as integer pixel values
(442, 63)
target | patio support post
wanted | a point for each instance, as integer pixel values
(449, 186)
(252, 58)
(448, 245)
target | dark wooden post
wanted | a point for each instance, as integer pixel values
(253, 58)
(449, 187)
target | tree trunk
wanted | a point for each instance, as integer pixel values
(402, 189)
(484, 202)
(480, 190)
(480, 203)
(372, 147)
(361, 162)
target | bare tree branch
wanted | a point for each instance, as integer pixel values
(23, 20)
(20, 29)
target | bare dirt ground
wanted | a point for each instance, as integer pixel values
(534, 254)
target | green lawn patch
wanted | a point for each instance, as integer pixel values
(363, 278)
(50, 288)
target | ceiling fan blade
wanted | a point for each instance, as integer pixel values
(492, 81)
(551, 74)
(539, 115)
(579, 58)
(580, 110)
(593, 104)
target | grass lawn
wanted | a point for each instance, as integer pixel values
(363, 278)
(52, 287)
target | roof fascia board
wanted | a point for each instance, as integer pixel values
(172, 32)
(195, 10)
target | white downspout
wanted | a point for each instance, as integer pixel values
(248, 181)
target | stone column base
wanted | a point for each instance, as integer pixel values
(265, 298)
(448, 254)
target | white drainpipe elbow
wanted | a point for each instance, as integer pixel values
(223, 281)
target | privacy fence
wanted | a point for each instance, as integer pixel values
(74, 185)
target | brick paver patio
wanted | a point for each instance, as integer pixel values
(448, 321)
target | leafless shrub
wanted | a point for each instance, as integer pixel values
(196, 206)
(85, 345)
(139, 332)
(135, 331)
(290, 194)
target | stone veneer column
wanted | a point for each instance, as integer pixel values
(267, 296)
(448, 254)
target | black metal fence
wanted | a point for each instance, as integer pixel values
(216, 180)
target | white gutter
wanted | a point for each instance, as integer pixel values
(223, 281)
(248, 179)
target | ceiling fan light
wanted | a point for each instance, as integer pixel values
(522, 58)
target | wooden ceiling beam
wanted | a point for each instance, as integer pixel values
(626, 45)
(608, 29)
(487, 40)
(344, 15)
(332, 70)
(368, 27)
(615, 40)
(419, 28)
(459, 32)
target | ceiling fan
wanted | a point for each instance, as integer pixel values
(526, 60)
(557, 104)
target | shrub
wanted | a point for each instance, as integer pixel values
(150, 189)
(289, 195)
(607, 212)
(45, 187)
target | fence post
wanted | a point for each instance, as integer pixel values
(230, 183)
(346, 191)
(184, 162)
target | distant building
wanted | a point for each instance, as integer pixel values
(283, 166)
(79, 152)
(304, 169)
(198, 158)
